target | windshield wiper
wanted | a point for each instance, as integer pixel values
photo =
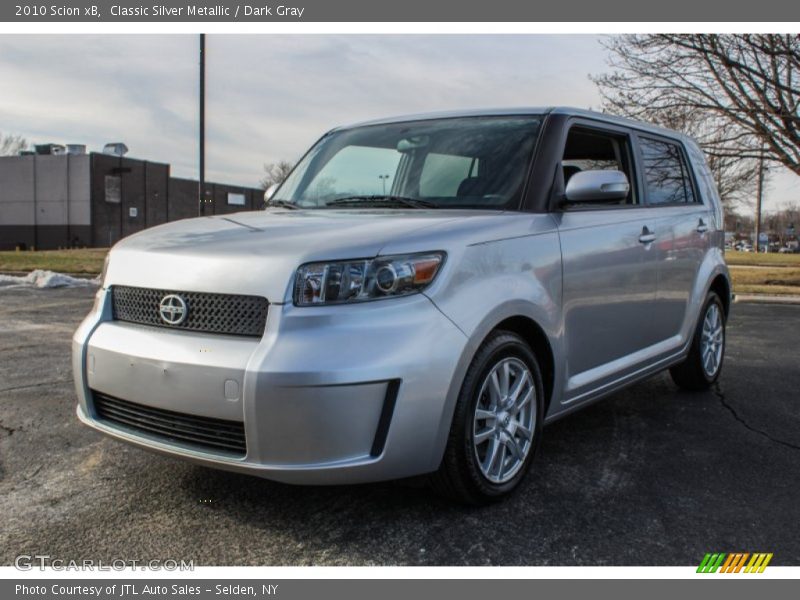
(283, 204)
(378, 200)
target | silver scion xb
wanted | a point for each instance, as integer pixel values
(420, 297)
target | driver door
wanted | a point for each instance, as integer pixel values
(609, 263)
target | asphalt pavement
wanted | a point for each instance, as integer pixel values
(649, 476)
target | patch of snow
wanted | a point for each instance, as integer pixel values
(45, 279)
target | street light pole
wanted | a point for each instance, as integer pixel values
(202, 184)
(383, 179)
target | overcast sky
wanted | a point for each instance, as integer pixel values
(269, 97)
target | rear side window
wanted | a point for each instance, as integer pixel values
(666, 173)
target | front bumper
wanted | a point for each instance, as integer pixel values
(329, 395)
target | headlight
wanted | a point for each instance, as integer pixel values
(365, 279)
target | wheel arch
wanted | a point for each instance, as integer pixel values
(712, 275)
(530, 331)
(538, 325)
(722, 287)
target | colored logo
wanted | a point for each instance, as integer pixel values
(737, 562)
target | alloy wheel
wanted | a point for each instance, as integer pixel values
(504, 420)
(712, 340)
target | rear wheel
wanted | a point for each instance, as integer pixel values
(497, 423)
(704, 363)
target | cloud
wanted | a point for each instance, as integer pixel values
(96, 89)
(269, 97)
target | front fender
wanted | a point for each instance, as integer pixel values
(495, 281)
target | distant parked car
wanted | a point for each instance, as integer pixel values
(421, 295)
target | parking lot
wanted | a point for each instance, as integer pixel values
(649, 476)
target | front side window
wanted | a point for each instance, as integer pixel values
(665, 172)
(594, 150)
(465, 162)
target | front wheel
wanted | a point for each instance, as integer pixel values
(496, 425)
(704, 363)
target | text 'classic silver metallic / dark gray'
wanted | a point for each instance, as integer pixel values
(419, 297)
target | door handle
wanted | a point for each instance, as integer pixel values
(647, 237)
(702, 227)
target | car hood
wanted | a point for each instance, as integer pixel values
(259, 252)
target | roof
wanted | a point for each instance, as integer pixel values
(528, 110)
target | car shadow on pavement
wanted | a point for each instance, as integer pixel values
(593, 478)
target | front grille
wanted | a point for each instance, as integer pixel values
(206, 433)
(210, 313)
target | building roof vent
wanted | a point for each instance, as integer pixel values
(50, 149)
(76, 149)
(115, 148)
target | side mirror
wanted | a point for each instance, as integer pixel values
(270, 192)
(597, 186)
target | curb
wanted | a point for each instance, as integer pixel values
(765, 299)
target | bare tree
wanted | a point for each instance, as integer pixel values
(738, 95)
(275, 173)
(11, 145)
(739, 225)
(784, 223)
(734, 176)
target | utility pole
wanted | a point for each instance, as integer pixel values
(759, 193)
(201, 188)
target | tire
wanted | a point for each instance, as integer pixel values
(466, 473)
(694, 373)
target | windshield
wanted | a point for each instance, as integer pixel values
(470, 162)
